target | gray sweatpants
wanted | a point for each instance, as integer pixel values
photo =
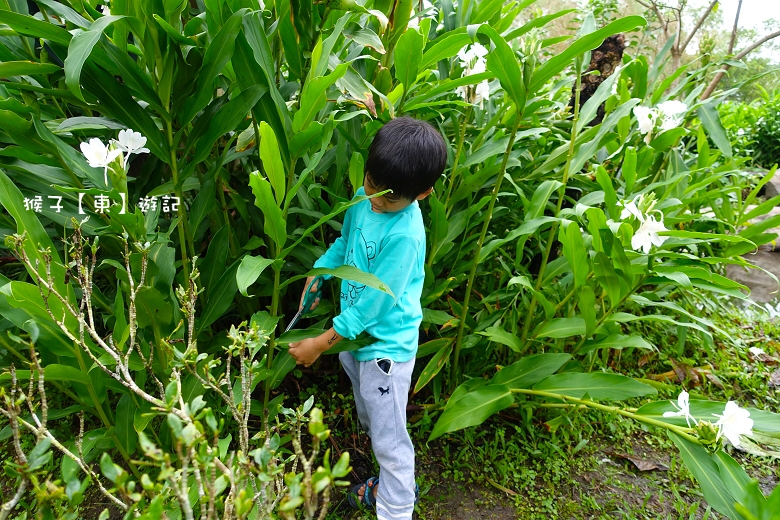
(381, 400)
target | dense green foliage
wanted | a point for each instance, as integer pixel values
(547, 235)
(754, 129)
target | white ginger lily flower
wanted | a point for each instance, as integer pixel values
(473, 58)
(482, 92)
(646, 117)
(131, 142)
(683, 407)
(629, 209)
(647, 235)
(734, 422)
(671, 113)
(756, 351)
(99, 156)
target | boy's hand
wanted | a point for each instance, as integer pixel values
(313, 289)
(307, 351)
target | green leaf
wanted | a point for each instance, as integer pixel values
(365, 37)
(574, 251)
(445, 47)
(610, 197)
(731, 473)
(556, 64)
(117, 102)
(667, 139)
(228, 117)
(711, 120)
(473, 409)
(314, 98)
(561, 328)
(175, 35)
(530, 370)
(282, 365)
(356, 168)
(205, 201)
(272, 161)
(302, 141)
(274, 224)
(539, 21)
(587, 305)
(503, 63)
(249, 271)
(221, 298)
(346, 272)
(539, 199)
(80, 48)
(215, 58)
(433, 367)
(37, 238)
(110, 470)
(53, 372)
(408, 55)
(706, 473)
(152, 308)
(597, 386)
(607, 277)
(706, 236)
(125, 432)
(29, 68)
(503, 337)
(615, 341)
(30, 26)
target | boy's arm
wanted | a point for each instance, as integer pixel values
(393, 266)
(307, 351)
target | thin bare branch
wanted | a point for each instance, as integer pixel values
(722, 72)
(698, 25)
(733, 40)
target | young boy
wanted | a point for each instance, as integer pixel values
(384, 236)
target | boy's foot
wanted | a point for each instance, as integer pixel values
(372, 483)
(361, 491)
(357, 495)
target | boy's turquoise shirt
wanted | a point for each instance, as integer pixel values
(392, 247)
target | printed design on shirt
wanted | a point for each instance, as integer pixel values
(362, 247)
(383, 391)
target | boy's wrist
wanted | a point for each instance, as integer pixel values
(328, 339)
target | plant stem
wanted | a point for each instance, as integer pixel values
(592, 404)
(477, 251)
(453, 171)
(561, 195)
(272, 339)
(182, 216)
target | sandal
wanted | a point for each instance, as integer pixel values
(369, 500)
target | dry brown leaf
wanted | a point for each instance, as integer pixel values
(774, 379)
(642, 464)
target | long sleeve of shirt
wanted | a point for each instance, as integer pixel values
(394, 266)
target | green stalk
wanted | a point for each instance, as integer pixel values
(272, 339)
(561, 194)
(182, 216)
(477, 251)
(461, 139)
(226, 215)
(679, 430)
(612, 310)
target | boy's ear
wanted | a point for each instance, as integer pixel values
(424, 194)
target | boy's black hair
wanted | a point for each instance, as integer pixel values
(406, 156)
